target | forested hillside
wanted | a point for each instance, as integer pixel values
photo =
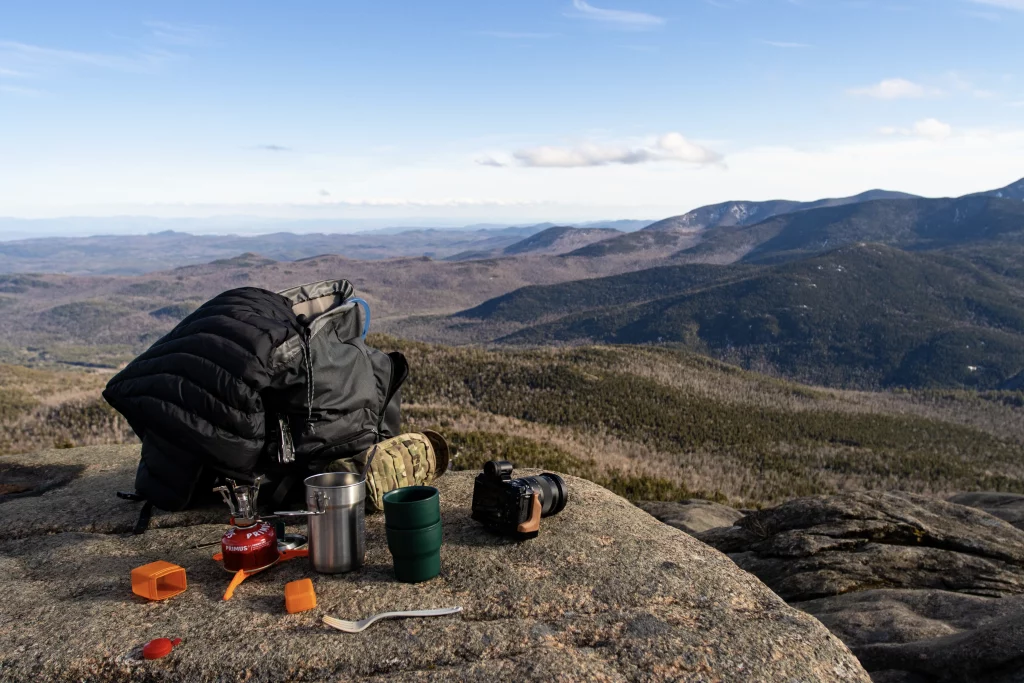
(866, 315)
(648, 423)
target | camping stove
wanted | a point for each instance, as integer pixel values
(251, 543)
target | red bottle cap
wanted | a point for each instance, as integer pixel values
(159, 647)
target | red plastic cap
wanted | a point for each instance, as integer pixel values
(159, 647)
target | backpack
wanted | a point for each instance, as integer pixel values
(332, 396)
(255, 382)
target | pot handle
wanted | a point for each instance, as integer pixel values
(321, 508)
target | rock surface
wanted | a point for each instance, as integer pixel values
(692, 516)
(1006, 506)
(604, 593)
(922, 590)
(827, 545)
(933, 635)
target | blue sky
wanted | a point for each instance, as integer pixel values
(500, 111)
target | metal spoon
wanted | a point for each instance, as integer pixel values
(363, 624)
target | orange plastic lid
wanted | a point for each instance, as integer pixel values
(158, 580)
(159, 647)
(299, 596)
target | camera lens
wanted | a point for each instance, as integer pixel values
(551, 489)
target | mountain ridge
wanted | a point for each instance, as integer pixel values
(906, 223)
(685, 234)
(559, 240)
(750, 212)
(1012, 191)
(862, 315)
(683, 231)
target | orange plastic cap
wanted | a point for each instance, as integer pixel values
(160, 647)
(299, 596)
(158, 580)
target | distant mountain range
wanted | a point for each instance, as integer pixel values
(679, 231)
(559, 240)
(880, 289)
(1014, 191)
(719, 233)
(863, 315)
(552, 241)
(135, 254)
(864, 291)
(906, 223)
(723, 233)
(748, 213)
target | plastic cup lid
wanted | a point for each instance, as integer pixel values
(159, 647)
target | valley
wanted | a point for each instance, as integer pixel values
(107, 320)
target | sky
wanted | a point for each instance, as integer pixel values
(499, 111)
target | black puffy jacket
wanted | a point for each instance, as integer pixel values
(257, 382)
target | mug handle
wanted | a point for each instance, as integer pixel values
(321, 508)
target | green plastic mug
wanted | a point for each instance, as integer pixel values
(416, 552)
(412, 507)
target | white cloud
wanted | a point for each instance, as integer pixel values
(621, 18)
(38, 57)
(488, 160)
(447, 185)
(953, 83)
(668, 147)
(931, 129)
(35, 54)
(1006, 4)
(983, 14)
(18, 90)
(960, 84)
(516, 35)
(179, 34)
(396, 202)
(895, 89)
(27, 60)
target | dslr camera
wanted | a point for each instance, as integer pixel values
(514, 506)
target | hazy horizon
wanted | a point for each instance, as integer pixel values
(253, 226)
(16, 229)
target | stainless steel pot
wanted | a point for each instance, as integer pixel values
(335, 504)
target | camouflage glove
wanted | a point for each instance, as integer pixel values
(406, 460)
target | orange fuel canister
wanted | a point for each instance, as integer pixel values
(158, 580)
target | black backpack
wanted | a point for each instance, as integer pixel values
(331, 397)
(255, 382)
